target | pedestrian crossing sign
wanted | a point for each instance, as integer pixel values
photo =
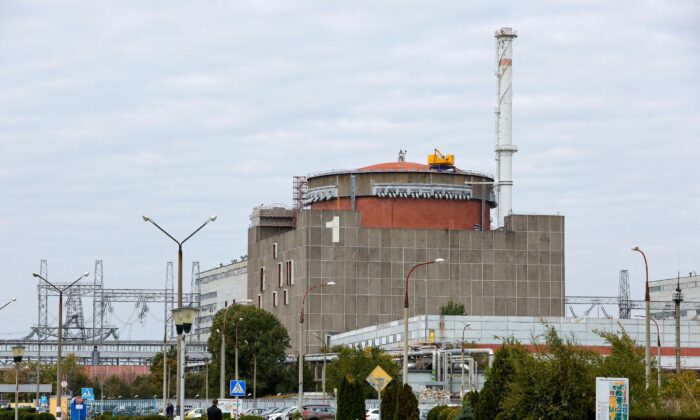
(87, 394)
(237, 388)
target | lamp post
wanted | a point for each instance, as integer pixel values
(647, 330)
(658, 353)
(405, 316)
(179, 282)
(184, 317)
(59, 388)
(323, 372)
(222, 368)
(165, 364)
(8, 302)
(466, 325)
(300, 398)
(17, 354)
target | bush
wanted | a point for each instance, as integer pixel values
(390, 396)
(435, 412)
(250, 418)
(407, 405)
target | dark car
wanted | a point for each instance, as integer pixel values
(318, 412)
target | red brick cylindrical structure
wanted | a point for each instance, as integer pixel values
(406, 195)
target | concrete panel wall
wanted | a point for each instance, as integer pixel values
(518, 271)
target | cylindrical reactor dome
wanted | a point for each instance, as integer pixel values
(406, 195)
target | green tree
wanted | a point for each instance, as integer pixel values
(559, 383)
(351, 400)
(498, 378)
(262, 342)
(359, 363)
(626, 360)
(407, 405)
(452, 308)
(390, 396)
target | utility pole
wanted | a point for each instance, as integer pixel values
(677, 299)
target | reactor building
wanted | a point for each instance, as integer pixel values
(364, 229)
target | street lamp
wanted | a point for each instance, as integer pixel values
(17, 354)
(405, 316)
(300, 398)
(165, 364)
(222, 368)
(466, 325)
(59, 388)
(8, 302)
(323, 372)
(179, 282)
(184, 317)
(658, 353)
(647, 330)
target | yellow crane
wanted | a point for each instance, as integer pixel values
(438, 160)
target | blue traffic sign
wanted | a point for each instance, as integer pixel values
(87, 394)
(237, 388)
(44, 400)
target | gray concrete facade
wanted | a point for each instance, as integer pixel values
(515, 271)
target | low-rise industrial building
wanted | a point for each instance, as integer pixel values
(219, 287)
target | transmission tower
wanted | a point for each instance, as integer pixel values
(624, 295)
(195, 290)
(43, 298)
(169, 295)
(97, 301)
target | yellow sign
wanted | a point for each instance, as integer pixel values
(379, 379)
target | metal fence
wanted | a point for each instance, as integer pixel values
(121, 407)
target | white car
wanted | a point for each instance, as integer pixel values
(372, 414)
(285, 414)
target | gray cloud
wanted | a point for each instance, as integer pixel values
(109, 110)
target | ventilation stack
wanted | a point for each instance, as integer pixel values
(504, 123)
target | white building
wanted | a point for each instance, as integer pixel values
(489, 331)
(219, 287)
(664, 290)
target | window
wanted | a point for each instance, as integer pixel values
(279, 275)
(289, 273)
(262, 279)
(274, 299)
(259, 301)
(286, 297)
(274, 251)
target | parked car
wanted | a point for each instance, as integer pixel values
(128, 410)
(260, 412)
(273, 412)
(318, 412)
(372, 414)
(284, 414)
(196, 413)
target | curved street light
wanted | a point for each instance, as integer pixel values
(300, 397)
(647, 315)
(8, 302)
(405, 315)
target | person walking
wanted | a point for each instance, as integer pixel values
(170, 411)
(214, 412)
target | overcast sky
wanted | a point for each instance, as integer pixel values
(180, 109)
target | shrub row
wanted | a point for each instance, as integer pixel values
(444, 412)
(25, 415)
